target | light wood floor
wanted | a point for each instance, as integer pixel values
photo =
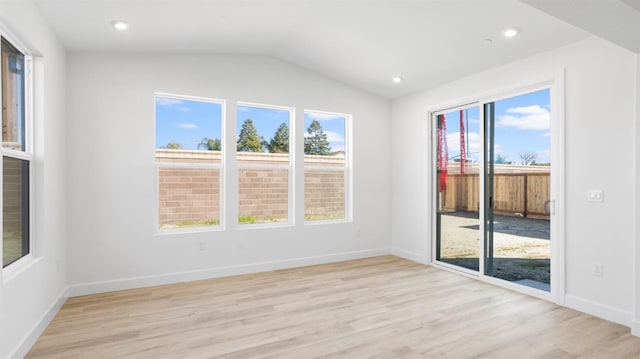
(382, 307)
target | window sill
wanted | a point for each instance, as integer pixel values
(244, 227)
(327, 221)
(18, 267)
(172, 231)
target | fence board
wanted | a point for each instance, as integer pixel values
(515, 194)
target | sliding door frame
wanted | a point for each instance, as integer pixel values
(555, 84)
(433, 124)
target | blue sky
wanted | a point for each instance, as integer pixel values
(186, 122)
(266, 120)
(332, 125)
(522, 125)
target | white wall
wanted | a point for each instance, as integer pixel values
(111, 170)
(28, 298)
(600, 142)
(636, 323)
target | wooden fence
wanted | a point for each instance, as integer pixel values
(515, 194)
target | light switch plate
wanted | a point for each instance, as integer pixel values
(595, 195)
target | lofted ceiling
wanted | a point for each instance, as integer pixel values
(363, 43)
(615, 20)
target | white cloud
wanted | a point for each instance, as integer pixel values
(548, 134)
(184, 108)
(334, 136)
(453, 142)
(167, 102)
(187, 125)
(320, 116)
(526, 118)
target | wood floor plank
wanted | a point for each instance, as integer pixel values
(383, 307)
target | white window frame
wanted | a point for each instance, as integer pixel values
(290, 167)
(18, 265)
(347, 169)
(220, 166)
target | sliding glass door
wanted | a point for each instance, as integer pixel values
(457, 188)
(517, 189)
(493, 186)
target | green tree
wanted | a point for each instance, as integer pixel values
(501, 160)
(316, 143)
(210, 144)
(249, 141)
(280, 141)
(173, 146)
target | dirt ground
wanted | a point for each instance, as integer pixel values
(521, 245)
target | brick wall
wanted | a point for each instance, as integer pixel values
(12, 200)
(263, 194)
(323, 194)
(190, 196)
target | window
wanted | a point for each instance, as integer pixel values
(326, 167)
(189, 159)
(264, 164)
(16, 153)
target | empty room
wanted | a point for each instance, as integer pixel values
(320, 178)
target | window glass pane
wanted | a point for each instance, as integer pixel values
(457, 187)
(324, 136)
(13, 110)
(264, 195)
(15, 206)
(323, 195)
(325, 166)
(263, 146)
(188, 131)
(189, 197)
(518, 222)
(263, 135)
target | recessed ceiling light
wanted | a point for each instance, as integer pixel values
(120, 24)
(397, 79)
(511, 32)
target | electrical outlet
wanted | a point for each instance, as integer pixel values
(597, 269)
(203, 246)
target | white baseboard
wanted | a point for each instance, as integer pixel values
(580, 304)
(187, 276)
(412, 256)
(635, 328)
(30, 339)
(601, 311)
